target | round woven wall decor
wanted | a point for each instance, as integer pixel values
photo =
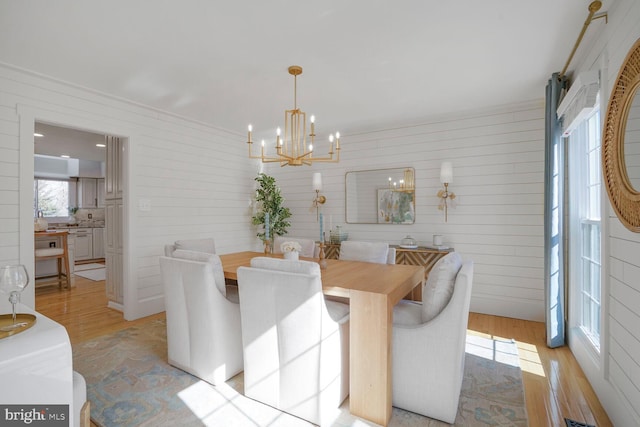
(623, 197)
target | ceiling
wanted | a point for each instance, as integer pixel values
(77, 144)
(366, 63)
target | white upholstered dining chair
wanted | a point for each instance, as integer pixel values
(308, 245)
(429, 341)
(378, 252)
(207, 245)
(203, 325)
(296, 345)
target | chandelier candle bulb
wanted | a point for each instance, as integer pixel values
(250, 129)
(278, 141)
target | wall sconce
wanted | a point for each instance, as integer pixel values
(446, 177)
(320, 199)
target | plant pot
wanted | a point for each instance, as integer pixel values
(291, 256)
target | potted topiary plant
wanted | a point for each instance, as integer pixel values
(270, 201)
(72, 215)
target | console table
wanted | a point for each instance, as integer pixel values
(422, 255)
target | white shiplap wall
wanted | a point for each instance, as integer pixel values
(615, 372)
(196, 178)
(498, 159)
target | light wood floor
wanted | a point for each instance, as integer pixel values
(555, 386)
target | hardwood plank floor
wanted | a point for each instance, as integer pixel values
(555, 386)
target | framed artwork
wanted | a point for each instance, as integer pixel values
(395, 207)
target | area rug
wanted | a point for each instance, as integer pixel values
(90, 266)
(130, 383)
(95, 275)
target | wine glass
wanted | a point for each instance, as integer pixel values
(13, 279)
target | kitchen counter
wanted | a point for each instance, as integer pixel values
(87, 238)
(62, 226)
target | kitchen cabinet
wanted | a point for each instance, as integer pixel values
(100, 192)
(113, 183)
(87, 196)
(114, 288)
(98, 243)
(114, 216)
(83, 244)
(91, 193)
(113, 249)
(113, 233)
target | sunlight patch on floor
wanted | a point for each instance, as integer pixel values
(528, 354)
(224, 402)
(500, 350)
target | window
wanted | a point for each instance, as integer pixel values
(586, 187)
(52, 197)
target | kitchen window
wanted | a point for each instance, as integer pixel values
(53, 197)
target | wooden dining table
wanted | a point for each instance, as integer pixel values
(372, 290)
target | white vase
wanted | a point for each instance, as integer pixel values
(291, 256)
(40, 224)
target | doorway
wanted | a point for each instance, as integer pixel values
(79, 159)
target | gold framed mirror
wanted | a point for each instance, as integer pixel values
(621, 142)
(380, 196)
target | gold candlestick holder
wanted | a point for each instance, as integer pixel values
(267, 247)
(322, 260)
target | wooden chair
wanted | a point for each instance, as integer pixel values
(61, 255)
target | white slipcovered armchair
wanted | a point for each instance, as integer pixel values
(207, 245)
(296, 345)
(203, 326)
(378, 252)
(429, 342)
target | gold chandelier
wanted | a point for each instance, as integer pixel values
(406, 184)
(292, 149)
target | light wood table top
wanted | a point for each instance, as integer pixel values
(340, 277)
(373, 290)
